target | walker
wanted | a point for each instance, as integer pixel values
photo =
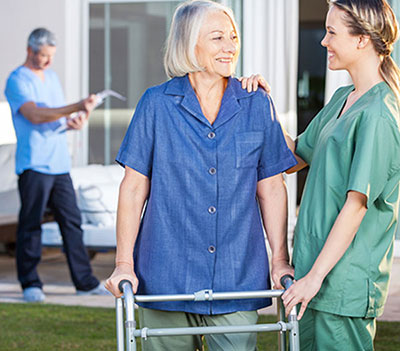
(126, 336)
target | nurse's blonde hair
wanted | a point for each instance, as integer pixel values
(180, 58)
(376, 19)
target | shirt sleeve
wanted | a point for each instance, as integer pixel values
(373, 157)
(18, 92)
(276, 157)
(136, 150)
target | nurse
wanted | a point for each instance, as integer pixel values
(343, 248)
(206, 157)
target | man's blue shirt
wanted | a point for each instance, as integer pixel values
(40, 147)
(202, 227)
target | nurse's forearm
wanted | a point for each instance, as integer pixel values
(132, 196)
(292, 146)
(341, 235)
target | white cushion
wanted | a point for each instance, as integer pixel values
(91, 174)
(98, 203)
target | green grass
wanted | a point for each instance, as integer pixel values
(51, 327)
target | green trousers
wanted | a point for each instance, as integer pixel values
(218, 342)
(330, 332)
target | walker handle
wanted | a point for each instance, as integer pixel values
(121, 284)
(287, 281)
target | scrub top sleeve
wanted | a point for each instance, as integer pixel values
(18, 92)
(371, 165)
(136, 150)
(276, 157)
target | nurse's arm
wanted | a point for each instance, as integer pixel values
(37, 115)
(133, 192)
(339, 239)
(272, 197)
(292, 146)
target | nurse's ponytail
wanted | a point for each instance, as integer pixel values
(376, 19)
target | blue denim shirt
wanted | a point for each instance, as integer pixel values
(202, 227)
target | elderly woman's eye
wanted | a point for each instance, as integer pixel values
(217, 38)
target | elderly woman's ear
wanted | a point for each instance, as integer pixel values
(251, 83)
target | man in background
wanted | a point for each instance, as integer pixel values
(41, 119)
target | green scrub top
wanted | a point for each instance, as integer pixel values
(359, 151)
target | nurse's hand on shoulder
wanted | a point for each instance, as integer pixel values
(302, 291)
(253, 82)
(121, 272)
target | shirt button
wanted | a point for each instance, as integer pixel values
(212, 210)
(211, 249)
(211, 135)
(212, 171)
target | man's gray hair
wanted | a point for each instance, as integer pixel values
(180, 58)
(40, 37)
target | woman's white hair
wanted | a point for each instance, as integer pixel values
(180, 58)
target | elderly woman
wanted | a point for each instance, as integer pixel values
(207, 157)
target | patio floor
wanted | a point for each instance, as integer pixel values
(58, 288)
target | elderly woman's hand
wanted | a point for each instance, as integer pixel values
(251, 83)
(279, 268)
(122, 271)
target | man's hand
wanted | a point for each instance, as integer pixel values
(122, 271)
(280, 268)
(77, 122)
(88, 104)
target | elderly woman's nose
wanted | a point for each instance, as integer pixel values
(230, 46)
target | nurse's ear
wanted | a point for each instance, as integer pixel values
(363, 41)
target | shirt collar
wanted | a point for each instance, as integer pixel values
(230, 105)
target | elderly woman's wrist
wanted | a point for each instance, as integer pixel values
(123, 263)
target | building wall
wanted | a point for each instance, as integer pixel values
(63, 17)
(19, 17)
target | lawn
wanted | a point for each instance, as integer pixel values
(51, 327)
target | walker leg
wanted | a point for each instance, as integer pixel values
(294, 338)
(282, 334)
(130, 326)
(120, 324)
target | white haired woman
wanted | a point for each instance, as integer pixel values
(205, 155)
(343, 248)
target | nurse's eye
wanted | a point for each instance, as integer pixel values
(217, 38)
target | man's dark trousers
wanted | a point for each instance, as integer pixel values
(38, 191)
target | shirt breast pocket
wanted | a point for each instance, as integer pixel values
(248, 147)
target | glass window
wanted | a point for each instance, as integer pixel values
(126, 42)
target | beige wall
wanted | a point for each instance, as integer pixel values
(19, 17)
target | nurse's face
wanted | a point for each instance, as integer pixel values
(341, 45)
(218, 45)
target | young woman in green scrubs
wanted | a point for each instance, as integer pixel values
(343, 243)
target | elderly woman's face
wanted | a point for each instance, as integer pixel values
(216, 48)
